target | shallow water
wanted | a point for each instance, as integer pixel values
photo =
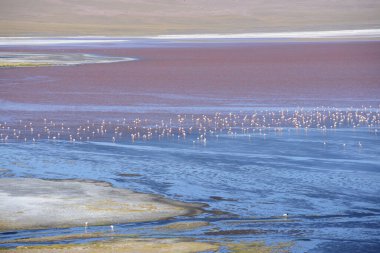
(328, 181)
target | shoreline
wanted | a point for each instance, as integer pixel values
(290, 36)
(125, 244)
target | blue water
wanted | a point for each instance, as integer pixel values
(327, 180)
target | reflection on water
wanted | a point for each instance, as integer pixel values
(320, 167)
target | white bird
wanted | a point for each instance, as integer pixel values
(112, 229)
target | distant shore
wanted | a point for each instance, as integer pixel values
(152, 18)
(318, 35)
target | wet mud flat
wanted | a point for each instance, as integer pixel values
(36, 204)
(29, 203)
(129, 245)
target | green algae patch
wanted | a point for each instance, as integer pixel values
(183, 225)
(125, 246)
(29, 203)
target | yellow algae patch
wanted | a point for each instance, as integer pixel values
(22, 64)
(29, 203)
(184, 225)
(125, 246)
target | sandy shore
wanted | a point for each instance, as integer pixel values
(125, 246)
(28, 203)
(215, 38)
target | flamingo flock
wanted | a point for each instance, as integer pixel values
(200, 127)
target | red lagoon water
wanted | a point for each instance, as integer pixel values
(281, 73)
